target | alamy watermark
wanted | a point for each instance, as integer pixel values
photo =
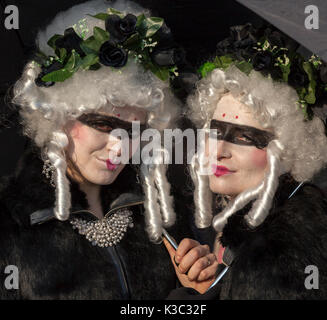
(12, 280)
(312, 17)
(12, 17)
(312, 280)
(158, 147)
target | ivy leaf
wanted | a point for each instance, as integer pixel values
(102, 16)
(57, 76)
(311, 95)
(52, 41)
(89, 60)
(100, 35)
(113, 11)
(206, 68)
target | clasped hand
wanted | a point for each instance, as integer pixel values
(194, 264)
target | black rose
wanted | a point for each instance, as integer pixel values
(166, 38)
(111, 56)
(168, 57)
(262, 61)
(45, 70)
(323, 73)
(69, 41)
(120, 29)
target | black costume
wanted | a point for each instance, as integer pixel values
(270, 260)
(56, 262)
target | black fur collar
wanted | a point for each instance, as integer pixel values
(236, 231)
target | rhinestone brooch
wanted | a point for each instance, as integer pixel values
(106, 232)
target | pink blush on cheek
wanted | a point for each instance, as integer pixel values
(78, 131)
(259, 158)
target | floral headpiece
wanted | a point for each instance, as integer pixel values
(275, 56)
(146, 40)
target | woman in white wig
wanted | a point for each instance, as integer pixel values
(252, 175)
(98, 69)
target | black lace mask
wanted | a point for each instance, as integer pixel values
(240, 134)
(106, 124)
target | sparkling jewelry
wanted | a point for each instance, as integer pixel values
(107, 231)
(48, 171)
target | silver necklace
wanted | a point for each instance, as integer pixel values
(106, 232)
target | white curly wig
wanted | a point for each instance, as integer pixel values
(299, 147)
(45, 111)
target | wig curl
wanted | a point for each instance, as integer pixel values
(299, 146)
(45, 110)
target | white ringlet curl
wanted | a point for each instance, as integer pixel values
(45, 111)
(153, 218)
(299, 147)
(163, 187)
(202, 198)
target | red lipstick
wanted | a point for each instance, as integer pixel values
(220, 170)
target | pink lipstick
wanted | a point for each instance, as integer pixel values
(220, 170)
(110, 165)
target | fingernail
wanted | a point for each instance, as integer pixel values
(177, 264)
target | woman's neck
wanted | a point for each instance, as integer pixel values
(92, 192)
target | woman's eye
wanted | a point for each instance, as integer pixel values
(244, 138)
(103, 127)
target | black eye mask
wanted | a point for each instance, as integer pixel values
(106, 123)
(240, 134)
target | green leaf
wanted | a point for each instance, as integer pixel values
(70, 65)
(62, 54)
(286, 70)
(206, 68)
(133, 42)
(57, 76)
(140, 19)
(52, 41)
(113, 11)
(162, 73)
(223, 62)
(245, 67)
(89, 60)
(102, 16)
(100, 35)
(73, 62)
(147, 27)
(91, 45)
(153, 25)
(311, 95)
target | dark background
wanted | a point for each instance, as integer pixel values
(197, 25)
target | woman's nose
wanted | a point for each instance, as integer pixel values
(114, 145)
(223, 150)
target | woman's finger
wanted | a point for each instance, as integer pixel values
(192, 256)
(203, 264)
(184, 247)
(170, 250)
(208, 273)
